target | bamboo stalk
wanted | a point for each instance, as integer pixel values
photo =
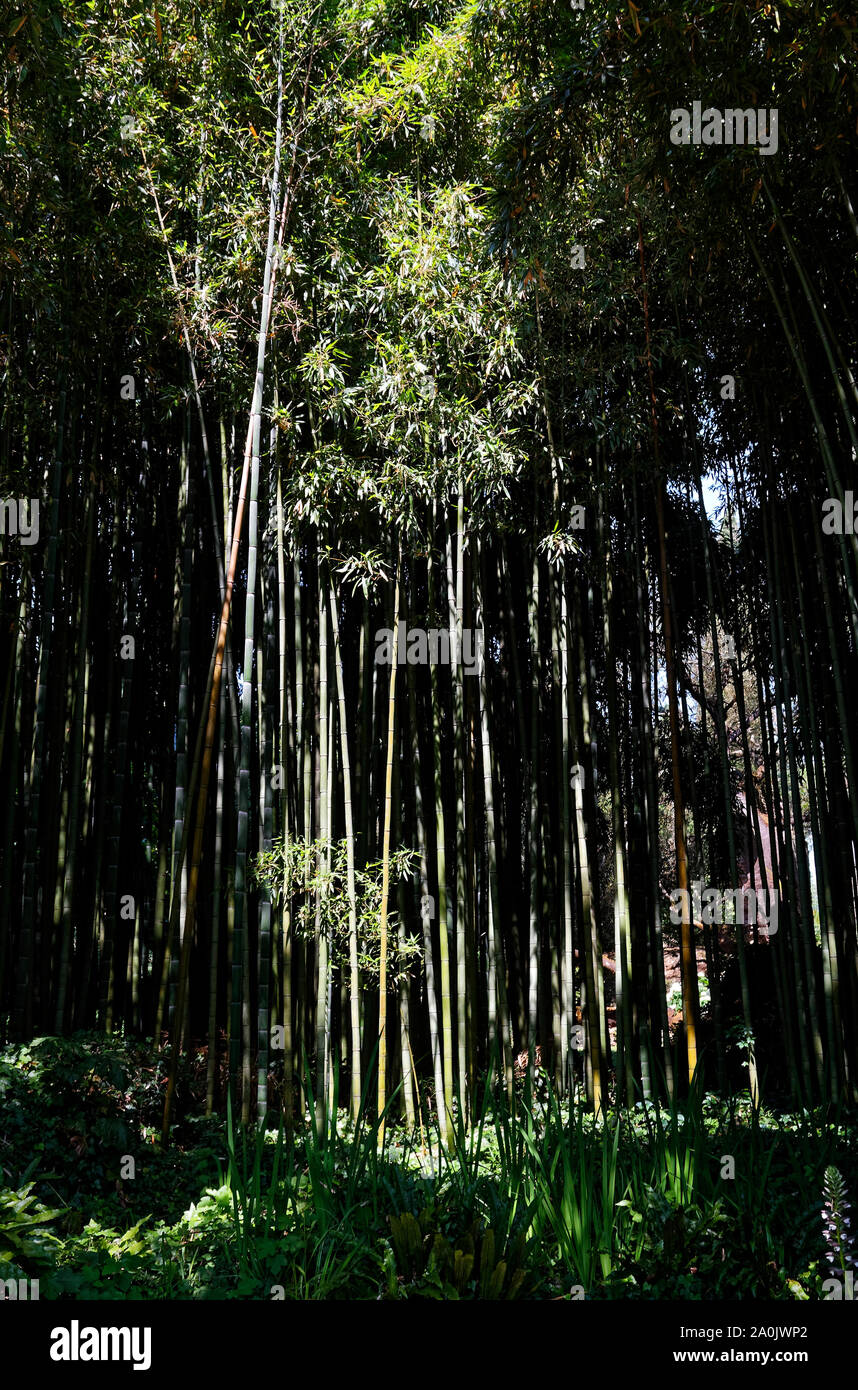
(385, 863)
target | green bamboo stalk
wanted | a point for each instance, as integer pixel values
(445, 1111)
(24, 962)
(533, 809)
(354, 977)
(494, 963)
(179, 876)
(253, 433)
(385, 863)
(690, 996)
(456, 605)
(267, 744)
(593, 1008)
(286, 916)
(425, 914)
(74, 769)
(322, 993)
(211, 1060)
(622, 934)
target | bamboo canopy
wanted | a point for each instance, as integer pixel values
(429, 550)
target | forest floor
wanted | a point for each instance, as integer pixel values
(536, 1204)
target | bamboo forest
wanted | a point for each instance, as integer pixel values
(428, 652)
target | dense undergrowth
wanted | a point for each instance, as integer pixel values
(700, 1200)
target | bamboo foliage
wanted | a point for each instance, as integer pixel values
(624, 628)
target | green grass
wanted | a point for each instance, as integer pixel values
(696, 1200)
